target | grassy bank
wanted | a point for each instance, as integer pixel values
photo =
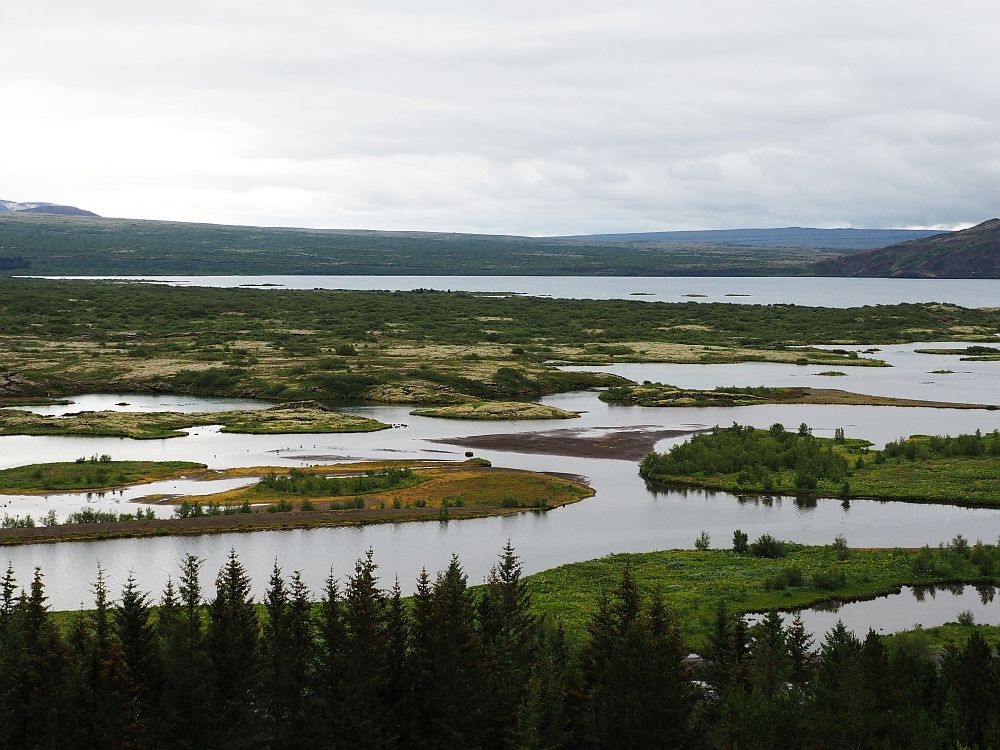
(960, 470)
(693, 583)
(89, 474)
(286, 419)
(658, 394)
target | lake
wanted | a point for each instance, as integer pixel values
(824, 292)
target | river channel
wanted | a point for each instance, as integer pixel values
(623, 516)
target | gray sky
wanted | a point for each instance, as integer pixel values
(517, 117)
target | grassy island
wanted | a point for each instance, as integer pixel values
(961, 470)
(306, 417)
(95, 473)
(694, 583)
(497, 411)
(658, 394)
(319, 496)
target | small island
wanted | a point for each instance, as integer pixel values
(291, 418)
(959, 470)
(659, 394)
(350, 494)
(496, 411)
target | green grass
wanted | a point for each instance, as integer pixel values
(693, 583)
(405, 347)
(90, 474)
(922, 476)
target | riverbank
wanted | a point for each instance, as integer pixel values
(695, 583)
(661, 395)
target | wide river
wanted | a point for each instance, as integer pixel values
(624, 515)
(824, 292)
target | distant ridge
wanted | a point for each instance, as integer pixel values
(37, 207)
(972, 253)
(800, 237)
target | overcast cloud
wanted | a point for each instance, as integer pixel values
(551, 117)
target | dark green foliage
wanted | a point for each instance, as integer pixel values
(767, 546)
(740, 542)
(752, 454)
(462, 668)
(298, 482)
(935, 446)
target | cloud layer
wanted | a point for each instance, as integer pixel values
(522, 117)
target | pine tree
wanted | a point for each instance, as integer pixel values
(801, 654)
(633, 667)
(330, 667)
(457, 684)
(184, 719)
(140, 648)
(769, 655)
(364, 677)
(544, 717)
(233, 649)
(511, 634)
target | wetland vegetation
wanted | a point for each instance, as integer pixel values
(960, 470)
(68, 337)
(318, 496)
(658, 394)
(94, 473)
(308, 417)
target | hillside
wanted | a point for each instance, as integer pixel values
(799, 237)
(65, 245)
(36, 207)
(972, 253)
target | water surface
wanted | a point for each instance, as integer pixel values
(824, 292)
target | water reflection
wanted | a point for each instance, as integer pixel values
(924, 606)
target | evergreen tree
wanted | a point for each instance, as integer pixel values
(364, 658)
(456, 689)
(184, 718)
(140, 649)
(633, 667)
(544, 720)
(233, 649)
(800, 652)
(769, 655)
(511, 634)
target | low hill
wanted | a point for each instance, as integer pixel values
(36, 207)
(71, 245)
(972, 253)
(799, 237)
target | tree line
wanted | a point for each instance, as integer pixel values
(454, 666)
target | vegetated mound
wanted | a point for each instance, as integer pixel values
(972, 253)
(497, 410)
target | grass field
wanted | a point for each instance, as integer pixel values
(693, 583)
